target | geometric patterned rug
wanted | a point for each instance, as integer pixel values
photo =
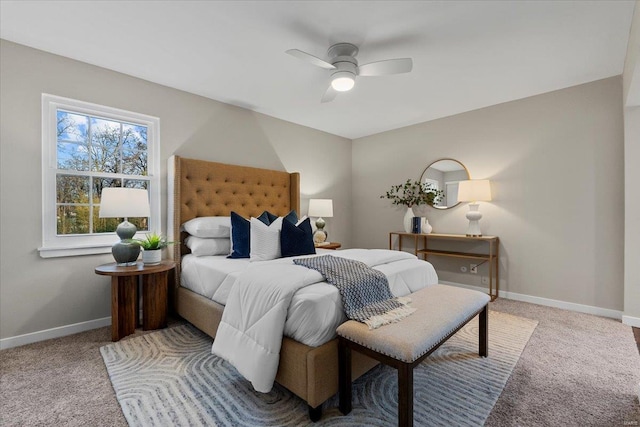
(170, 378)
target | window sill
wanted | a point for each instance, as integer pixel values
(51, 252)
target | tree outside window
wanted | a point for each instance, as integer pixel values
(93, 153)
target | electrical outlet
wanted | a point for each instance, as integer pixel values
(485, 280)
(473, 268)
(463, 269)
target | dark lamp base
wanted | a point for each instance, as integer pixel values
(125, 254)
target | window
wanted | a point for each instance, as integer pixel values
(85, 148)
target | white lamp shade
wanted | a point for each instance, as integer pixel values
(124, 202)
(474, 190)
(321, 208)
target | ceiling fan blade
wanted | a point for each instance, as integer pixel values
(386, 67)
(310, 58)
(329, 95)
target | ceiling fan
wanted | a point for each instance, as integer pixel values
(344, 67)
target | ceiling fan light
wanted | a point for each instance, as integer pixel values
(342, 81)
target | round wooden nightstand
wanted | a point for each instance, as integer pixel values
(124, 296)
(331, 245)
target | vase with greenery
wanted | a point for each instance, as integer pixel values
(410, 194)
(152, 246)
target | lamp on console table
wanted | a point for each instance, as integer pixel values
(320, 208)
(474, 191)
(119, 202)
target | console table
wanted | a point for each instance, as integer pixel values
(421, 247)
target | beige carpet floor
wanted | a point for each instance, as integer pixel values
(576, 370)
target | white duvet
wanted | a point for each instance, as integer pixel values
(250, 333)
(315, 310)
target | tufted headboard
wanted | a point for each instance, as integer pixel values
(201, 188)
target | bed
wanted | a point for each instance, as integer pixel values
(200, 188)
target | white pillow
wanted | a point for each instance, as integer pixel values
(265, 240)
(209, 226)
(206, 247)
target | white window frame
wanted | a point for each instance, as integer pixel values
(54, 245)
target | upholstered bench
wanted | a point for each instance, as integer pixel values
(440, 312)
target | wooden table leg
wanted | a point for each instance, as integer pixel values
(405, 395)
(154, 300)
(124, 294)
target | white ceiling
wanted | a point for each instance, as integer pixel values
(466, 54)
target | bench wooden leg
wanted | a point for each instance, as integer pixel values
(483, 349)
(344, 376)
(405, 395)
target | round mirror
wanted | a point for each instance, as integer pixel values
(444, 175)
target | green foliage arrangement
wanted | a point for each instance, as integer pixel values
(153, 241)
(413, 193)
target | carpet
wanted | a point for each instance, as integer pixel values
(170, 377)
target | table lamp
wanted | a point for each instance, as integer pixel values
(119, 202)
(320, 208)
(474, 191)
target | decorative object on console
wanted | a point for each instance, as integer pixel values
(416, 225)
(320, 208)
(474, 191)
(410, 194)
(426, 227)
(119, 202)
(407, 220)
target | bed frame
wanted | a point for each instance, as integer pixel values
(200, 188)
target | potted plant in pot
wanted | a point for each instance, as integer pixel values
(152, 246)
(410, 194)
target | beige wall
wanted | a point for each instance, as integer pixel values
(632, 217)
(38, 294)
(632, 59)
(556, 166)
(631, 78)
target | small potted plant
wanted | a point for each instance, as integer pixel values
(152, 246)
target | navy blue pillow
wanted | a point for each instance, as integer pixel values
(267, 217)
(292, 217)
(241, 232)
(296, 240)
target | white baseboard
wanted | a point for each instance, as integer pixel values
(58, 332)
(631, 321)
(597, 311)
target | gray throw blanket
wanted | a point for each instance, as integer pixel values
(365, 292)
